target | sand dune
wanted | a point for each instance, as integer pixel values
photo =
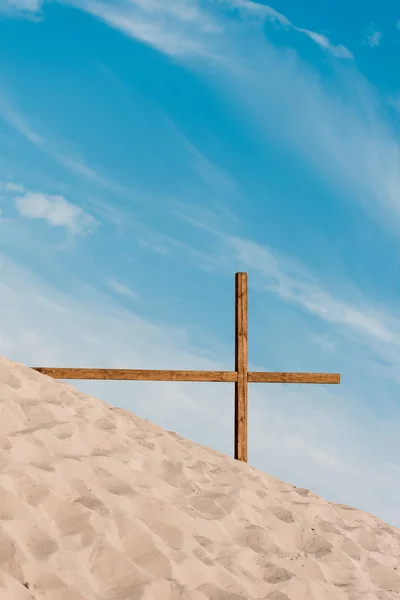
(98, 504)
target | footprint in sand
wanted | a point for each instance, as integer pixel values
(32, 492)
(282, 514)
(206, 508)
(93, 503)
(117, 487)
(318, 546)
(7, 547)
(5, 443)
(10, 380)
(277, 595)
(43, 466)
(41, 545)
(105, 423)
(350, 548)
(276, 574)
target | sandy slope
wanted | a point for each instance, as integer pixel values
(96, 503)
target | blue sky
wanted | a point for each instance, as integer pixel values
(148, 151)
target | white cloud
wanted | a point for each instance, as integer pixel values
(395, 102)
(30, 6)
(182, 27)
(325, 341)
(269, 13)
(291, 282)
(213, 175)
(122, 290)
(335, 138)
(337, 128)
(261, 10)
(288, 279)
(70, 161)
(182, 10)
(322, 41)
(12, 187)
(171, 247)
(13, 118)
(374, 39)
(178, 27)
(56, 210)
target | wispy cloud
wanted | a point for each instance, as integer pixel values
(374, 39)
(182, 27)
(348, 143)
(177, 28)
(11, 116)
(288, 279)
(26, 6)
(122, 290)
(72, 162)
(212, 175)
(168, 246)
(341, 132)
(261, 10)
(395, 102)
(291, 281)
(9, 186)
(324, 341)
(339, 51)
(269, 13)
(56, 210)
(332, 136)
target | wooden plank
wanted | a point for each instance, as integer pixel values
(207, 376)
(265, 377)
(241, 367)
(138, 374)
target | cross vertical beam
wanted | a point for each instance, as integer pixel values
(241, 366)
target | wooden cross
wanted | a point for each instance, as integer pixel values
(240, 376)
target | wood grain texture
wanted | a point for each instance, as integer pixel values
(165, 375)
(241, 367)
(138, 374)
(265, 377)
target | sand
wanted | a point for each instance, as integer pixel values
(99, 504)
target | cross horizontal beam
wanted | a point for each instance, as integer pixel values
(193, 376)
